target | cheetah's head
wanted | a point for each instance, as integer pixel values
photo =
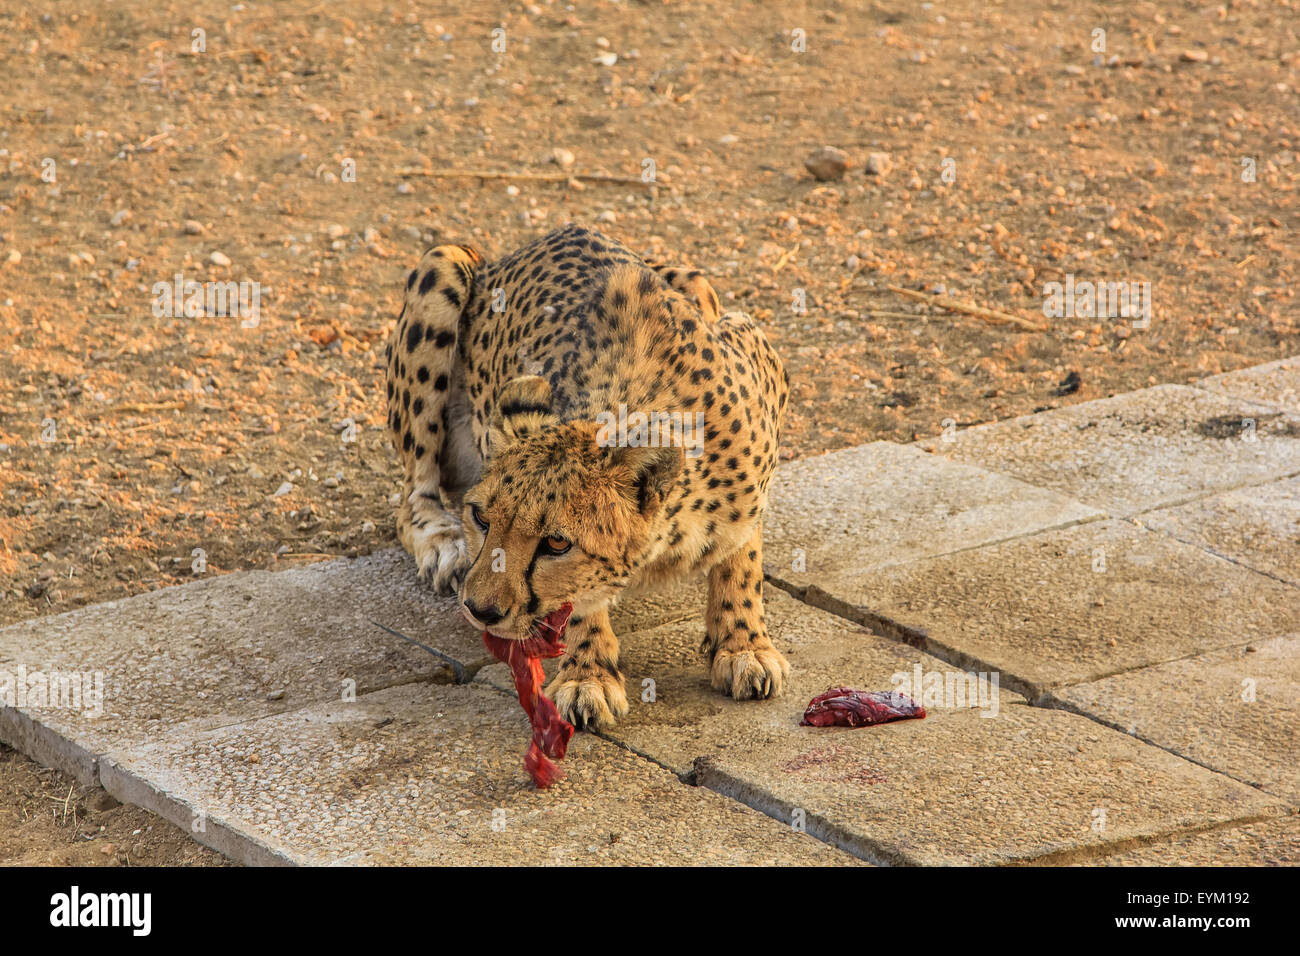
(555, 517)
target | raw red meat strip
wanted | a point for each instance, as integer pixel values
(846, 707)
(551, 732)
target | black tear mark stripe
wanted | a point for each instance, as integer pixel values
(533, 602)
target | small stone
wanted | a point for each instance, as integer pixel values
(334, 231)
(405, 188)
(605, 59)
(119, 217)
(331, 482)
(276, 695)
(371, 234)
(13, 257)
(1194, 56)
(877, 163)
(562, 157)
(284, 489)
(827, 163)
(607, 216)
(367, 527)
(193, 227)
(219, 259)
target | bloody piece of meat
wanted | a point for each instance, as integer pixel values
(551, 732)
(846, 707)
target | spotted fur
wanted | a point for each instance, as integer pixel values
(498, 375)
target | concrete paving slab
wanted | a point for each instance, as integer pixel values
(682, 601)
(837, 516)
(1236, 711)
(687, 718)
(1267, 843)
(434, 775)
(1257, 526)
(1149, 449)
(223, 650)
(960, 789)
(1072, 605)
(957, 787)
(1277, 383)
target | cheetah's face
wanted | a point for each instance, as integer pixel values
(555, 516)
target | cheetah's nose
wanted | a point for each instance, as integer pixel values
(487, 616)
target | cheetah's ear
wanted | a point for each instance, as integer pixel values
(523, 407)
(654, 470)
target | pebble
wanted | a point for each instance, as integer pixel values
(119, 217)
(13, 257)
(827, 163)
(562, 157)
(371, 234)
(605, 59)
(334, 231)
(219, 259)
(193, 227)
(405, 188)
(284, 489)
(1194, 56)
(877, 163)
(607, 216)
(367, 527)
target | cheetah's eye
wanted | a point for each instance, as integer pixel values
(554, 544)
(478, 517)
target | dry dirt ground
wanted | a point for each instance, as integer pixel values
(1013, 152)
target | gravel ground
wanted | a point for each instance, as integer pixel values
(988, 150)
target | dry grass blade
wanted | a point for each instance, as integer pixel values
(992, 316)
(523, 177)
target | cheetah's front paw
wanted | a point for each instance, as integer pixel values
(751, 673)
(441, 557)
(589, 702)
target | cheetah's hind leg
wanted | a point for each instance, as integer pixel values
(421, 366)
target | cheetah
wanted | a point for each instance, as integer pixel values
(519, 393)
